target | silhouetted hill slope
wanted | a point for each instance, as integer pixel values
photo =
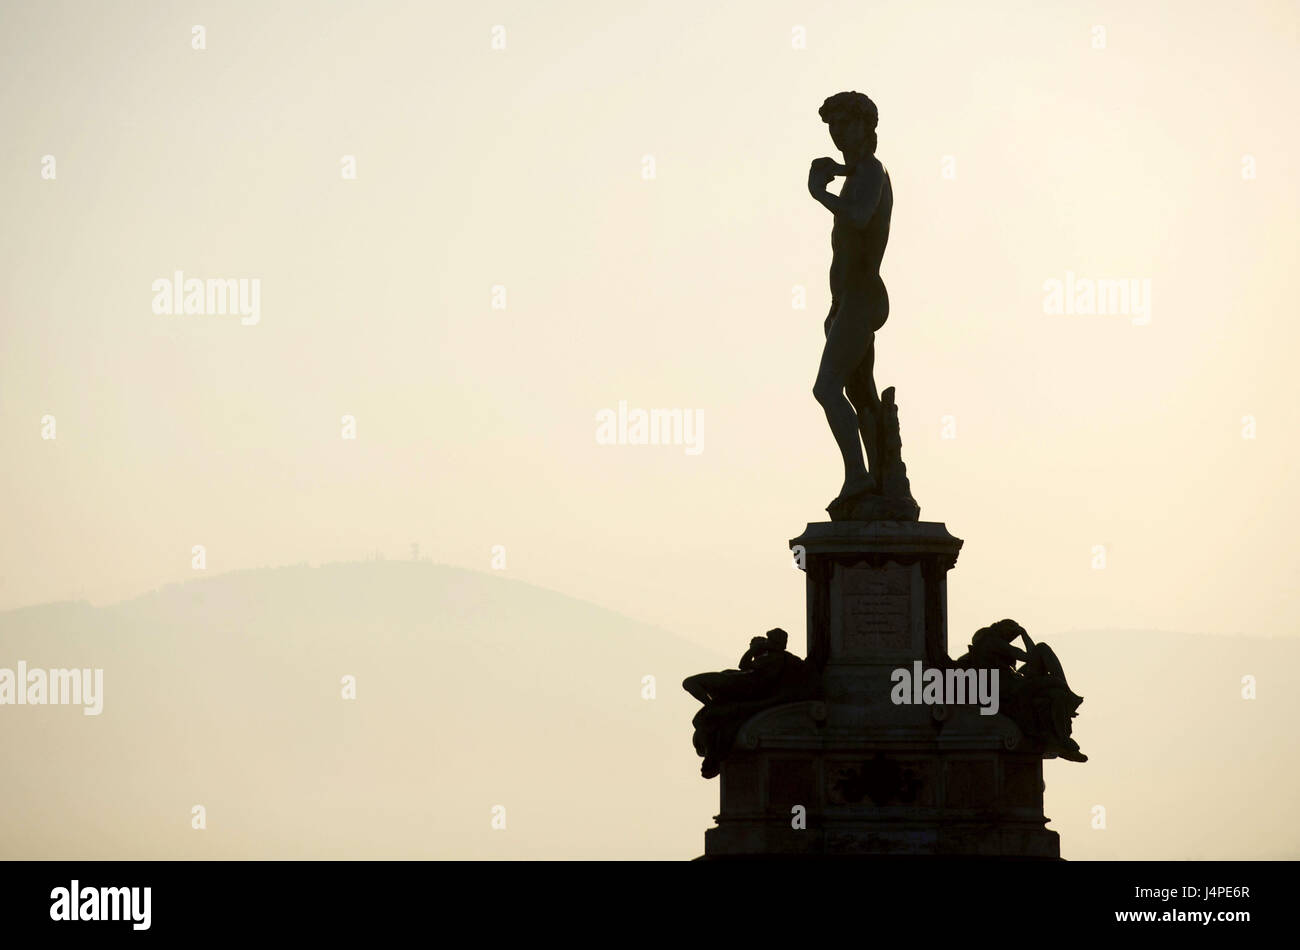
(474, 690)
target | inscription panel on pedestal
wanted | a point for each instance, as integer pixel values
(876, 606)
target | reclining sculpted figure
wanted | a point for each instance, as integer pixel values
(1036, 697)
(767, 676)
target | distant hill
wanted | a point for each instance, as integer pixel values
(475, 690)
(472, 691)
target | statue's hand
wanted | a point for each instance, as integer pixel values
(821, 172)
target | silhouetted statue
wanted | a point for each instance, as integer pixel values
(859, 307)
(768, 676)
(1036, 697)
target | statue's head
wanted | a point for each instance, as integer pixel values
(852, 118)
(994, 641)
(1006, 630)
(778, 638)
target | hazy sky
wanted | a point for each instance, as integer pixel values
(1019, 152)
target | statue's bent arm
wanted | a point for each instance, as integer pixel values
(857, 200)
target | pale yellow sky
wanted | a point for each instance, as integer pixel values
(522, 167)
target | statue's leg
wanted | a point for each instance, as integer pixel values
(697, 686)
(830, 318)
(866, 403)
(847, 344)
(725, 685)
(1043, 662)
(700, 739)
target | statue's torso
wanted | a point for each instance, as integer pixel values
(857, 251)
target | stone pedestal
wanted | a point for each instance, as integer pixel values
(875, 778)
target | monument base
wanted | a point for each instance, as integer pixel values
(857, 770)
(810, 792)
